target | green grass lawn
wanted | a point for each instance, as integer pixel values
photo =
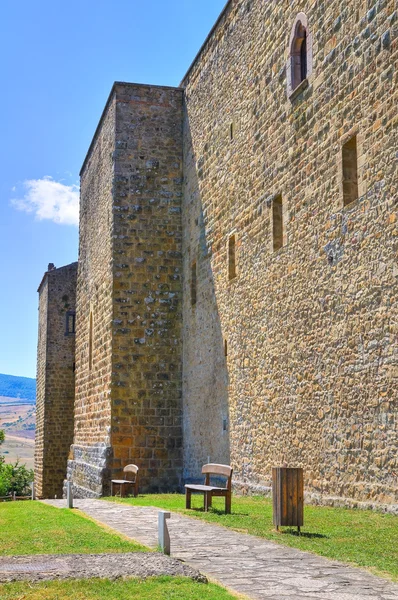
(157, 588)
(35, 528)
(362, 538)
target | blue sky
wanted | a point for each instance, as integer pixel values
(58, 62)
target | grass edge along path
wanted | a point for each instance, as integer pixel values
(153, 588)
(365, 539)
(36, 528)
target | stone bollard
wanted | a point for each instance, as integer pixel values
(33, 491)
(69, 494)
(164, 537)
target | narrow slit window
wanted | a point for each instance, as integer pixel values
(225, 348)
(70, 323)
(231, 131)
(90, 343)
(277, 222)
(350, 171)
(232, 257)
(193, 284)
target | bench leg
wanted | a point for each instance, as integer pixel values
(122, 490)
(208, 500)
(228, 504)
(187, 498)
(111, 488)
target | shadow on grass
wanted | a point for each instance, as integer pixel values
(217, 511)
(304, 534)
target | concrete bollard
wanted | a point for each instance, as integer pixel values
(69, 494)
(33, 491)
(164, 537)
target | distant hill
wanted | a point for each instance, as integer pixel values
(18, 387)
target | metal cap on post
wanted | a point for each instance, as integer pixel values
(69, 494)
(164, 537)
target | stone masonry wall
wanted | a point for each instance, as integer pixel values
(41, 386)
(147, 271)
(88, 466)
(55, 379)
(128, 385)
(311, 370)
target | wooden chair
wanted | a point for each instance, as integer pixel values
(208, 490)
(123, 483)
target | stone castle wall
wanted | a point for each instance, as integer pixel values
(232, 306)
(311, 370)
(128, 385)
(91, 452)
(55, 379)
(147, 271)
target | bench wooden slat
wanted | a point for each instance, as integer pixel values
(205, 488)
(214, 469)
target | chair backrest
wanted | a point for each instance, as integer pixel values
(131, 469)
(214, 469)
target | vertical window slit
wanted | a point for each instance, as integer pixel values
(193, 284)
(232, 257)
(350, 171)
(277, 222)
(90, 343)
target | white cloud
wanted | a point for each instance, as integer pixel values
(49, 199)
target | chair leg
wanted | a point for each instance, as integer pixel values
(136, 489)
(187, 498)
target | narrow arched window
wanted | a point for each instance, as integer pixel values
(299, 65)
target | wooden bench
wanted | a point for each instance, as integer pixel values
(123, 483)
(208, 490)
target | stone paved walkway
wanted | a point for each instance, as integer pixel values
(260, 569)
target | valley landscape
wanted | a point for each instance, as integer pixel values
(18, 418)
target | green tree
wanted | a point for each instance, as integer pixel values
(14, 478)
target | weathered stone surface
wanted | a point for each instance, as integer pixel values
(55, 379)
(288, 354)
(84, 566)
(128, 399)
(311, 372)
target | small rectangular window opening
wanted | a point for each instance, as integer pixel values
(231, 131)
(193, 284)
(90, 343)
(350, 171)
(70, 322)
(231, 257)
(225, 348)
(277, 223)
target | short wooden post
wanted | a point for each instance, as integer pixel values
(163, 534)
(14, 496)
(69, 494)
(288, 497)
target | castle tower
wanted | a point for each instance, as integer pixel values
(128, 343)
(55, 378)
